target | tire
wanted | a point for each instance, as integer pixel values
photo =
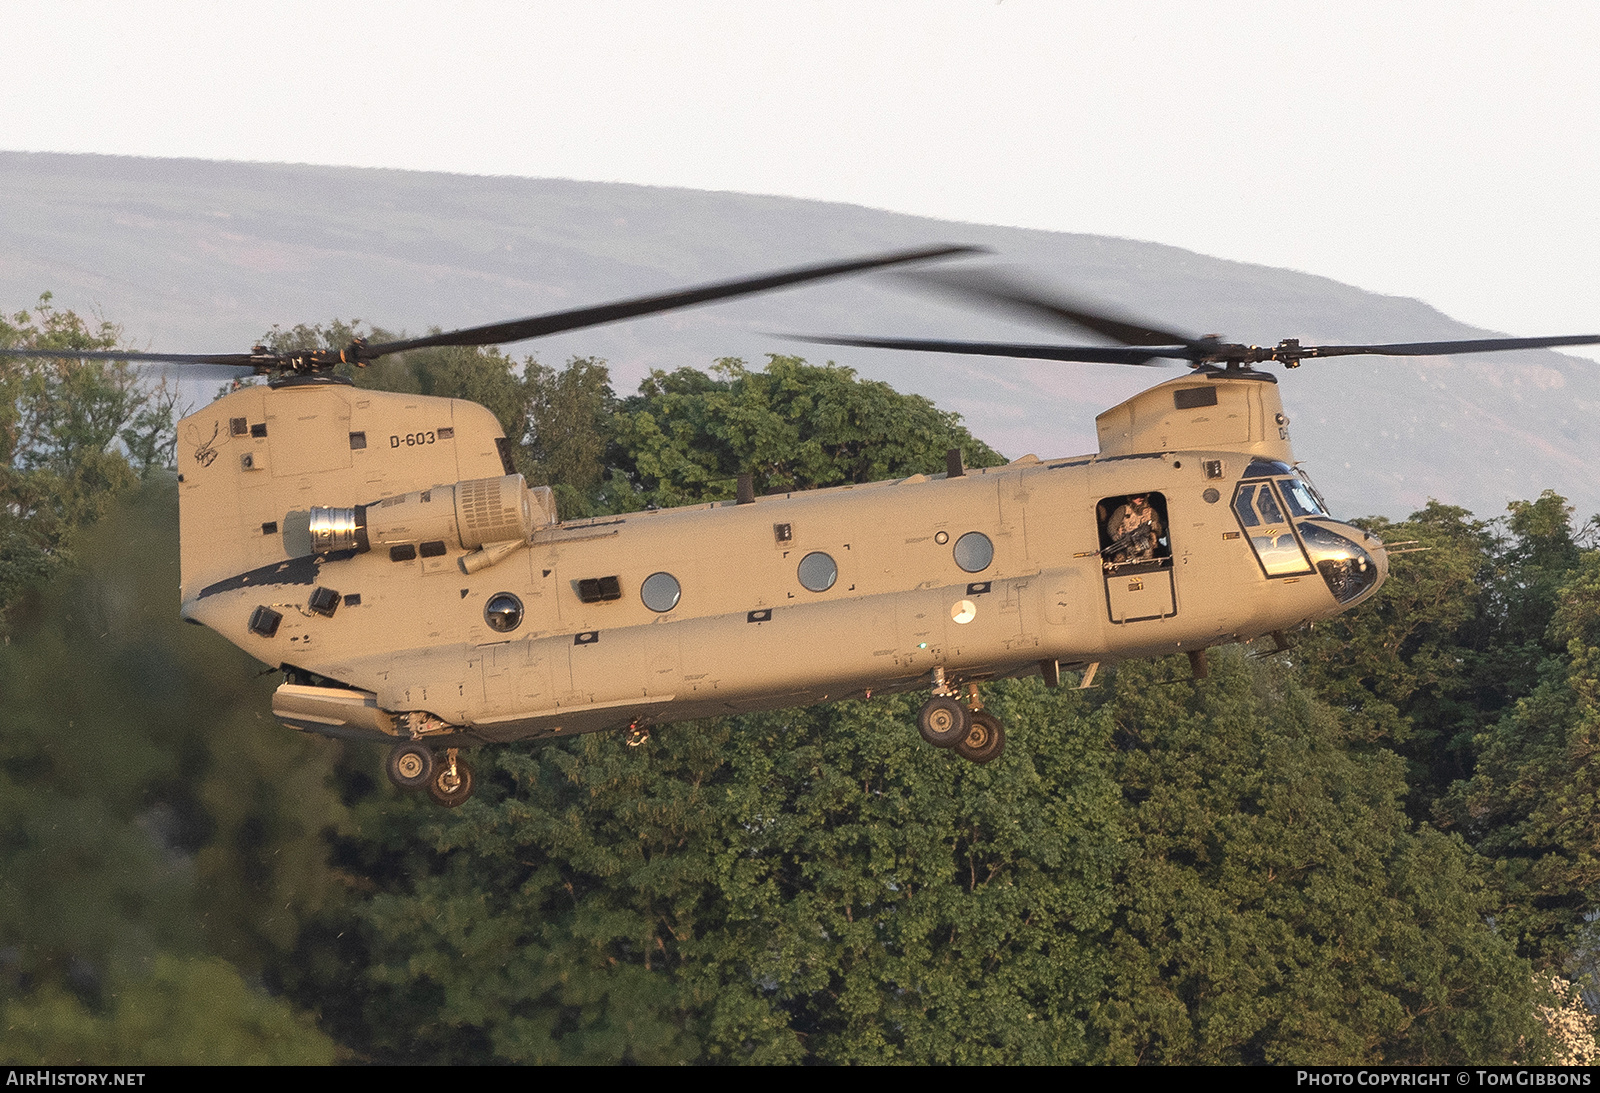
(449, 796)
(985, 740)
(410, 765)
(942, 721)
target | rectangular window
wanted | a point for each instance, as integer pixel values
(599, 589)
(1192, 398)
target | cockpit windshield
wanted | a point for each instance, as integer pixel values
(1302, 501)
(1292, 547)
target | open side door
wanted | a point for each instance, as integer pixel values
(1136, 557)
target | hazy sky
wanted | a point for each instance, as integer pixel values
(1447, 151)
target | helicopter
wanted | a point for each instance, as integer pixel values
(382, 552)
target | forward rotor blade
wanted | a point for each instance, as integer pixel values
(1093, 354)
(1036, 303)
(558, 322)
(1431, 349)
(234, 360)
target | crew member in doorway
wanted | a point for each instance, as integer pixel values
(1134, 528)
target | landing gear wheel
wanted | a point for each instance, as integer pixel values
(451, 783)
(943, 722)
(985, 740)
(410, 765)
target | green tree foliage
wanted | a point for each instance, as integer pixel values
(812, 885)
(794, 426)
(156, 819)
(1405, 671)
(1477, 662)
(179, 1012)
(1228, 885)
(1240, 870)
(74, 436)
(1533, 801)
(1277, 906)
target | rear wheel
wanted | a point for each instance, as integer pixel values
(943, 721)
(985, 739)
(451, 783)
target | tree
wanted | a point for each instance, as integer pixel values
(811, 885)
(1405, 671)
(1533, 801)
(1277, 906)
(794, 426)
(158, 822)
(195, 1011)
(74, 436)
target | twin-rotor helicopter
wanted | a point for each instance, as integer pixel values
(381, 550)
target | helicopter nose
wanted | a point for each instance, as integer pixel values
(1352, 562)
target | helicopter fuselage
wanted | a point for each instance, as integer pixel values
(309, 541)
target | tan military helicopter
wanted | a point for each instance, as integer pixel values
(415, 590)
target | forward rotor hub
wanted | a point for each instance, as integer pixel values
(1212, 350)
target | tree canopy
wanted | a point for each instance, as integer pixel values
(74, 437)
(1377, 846)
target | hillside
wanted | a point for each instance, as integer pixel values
(194, 255)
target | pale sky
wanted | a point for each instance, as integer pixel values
(1444, 151)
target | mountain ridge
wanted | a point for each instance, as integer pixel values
(203, 255)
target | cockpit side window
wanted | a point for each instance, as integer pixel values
(1279, 551)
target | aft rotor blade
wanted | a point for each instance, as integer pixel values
(236, 360)
(1431, 349)
(577, 319)
(1036, 303)
(1093, 354)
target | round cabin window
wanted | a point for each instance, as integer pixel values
(818, 571)
(974, 552)
(660, 592)
(503, 612)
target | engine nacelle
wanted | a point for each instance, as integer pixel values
(468, 515)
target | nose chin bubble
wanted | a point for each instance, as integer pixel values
(1352, 565)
